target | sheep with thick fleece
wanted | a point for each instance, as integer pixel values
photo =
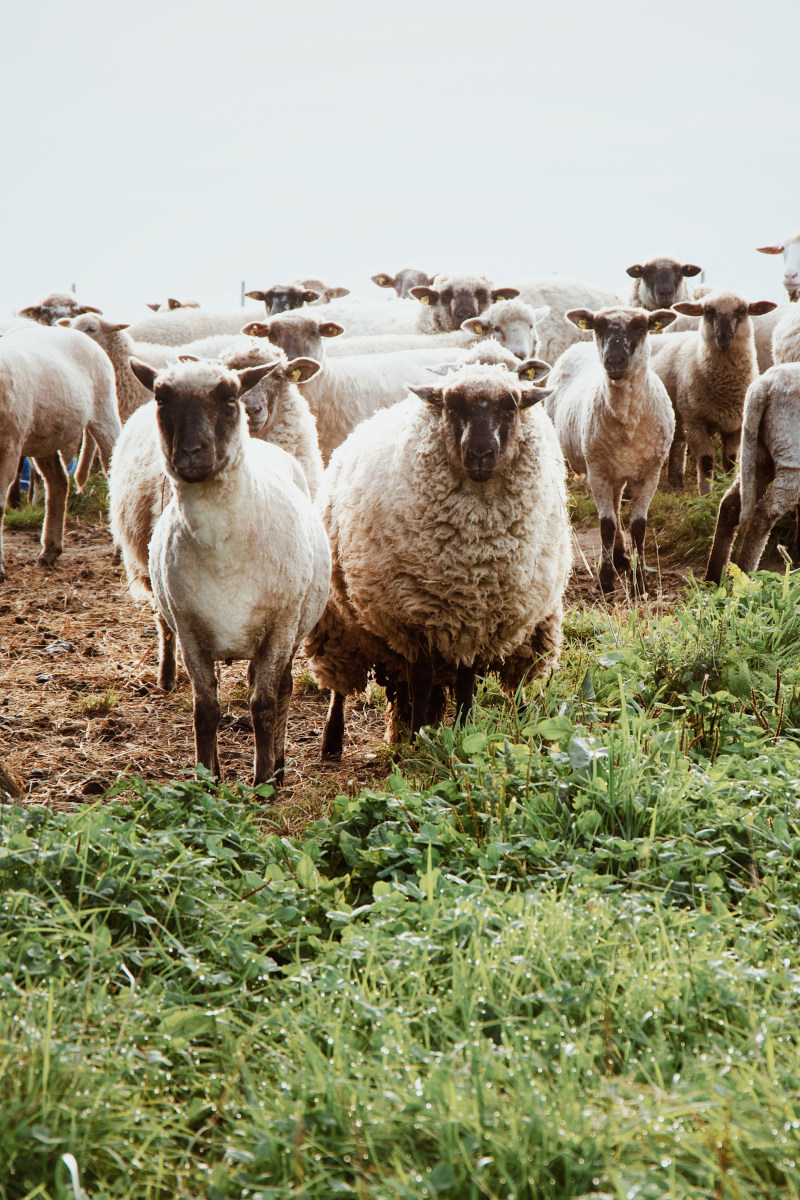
(347, 390)
(786, 336)
(56, 386)
(561, 293)
(454, 298)
(238, 560)
(661, 282)
(790, 249)
(768, 484)
(707, 374)
(615, 423)
(183, 325)
(457, 505)
(403, 281)
(360, 318)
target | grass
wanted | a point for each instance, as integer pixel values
(90, 504)
(554, 957)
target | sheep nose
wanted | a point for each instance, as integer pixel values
(790, 277)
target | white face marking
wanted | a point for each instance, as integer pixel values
(791, 264)
(516, 337)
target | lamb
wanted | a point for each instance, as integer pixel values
(509, 321)
(768, 484)
(707, 374)
(561, 293)
(346, 391)
(615, 424)
(238, 561)
(404, 281)
(786, 336)
(55, 386)
(183, 325)
(661, 282)
(453, 299)
(790, 249)
(457, 506)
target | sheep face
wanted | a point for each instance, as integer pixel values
(403, 281)
(725, 316)
(260, 402)
(790, 249)
(512, 323)
(620, 335)
(284, 297)
(661, 281)
(54, 307)
(456, 298)
(324, 293)
(298, 335)
(481, 418)
(98, 329)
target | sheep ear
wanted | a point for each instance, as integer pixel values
(431, 395)
(300, 370)
(188, 358)
(476, 325)
(250, 376)
(533, 395)
(87, 308)
(64, 322)
(504, 293)
(688, 269)
(689, 308)
(385, 281)
(425, 295)
(116, 328)
(309, 297)
(155, 307)
(776, 249)
(32, 312)
(540, 313)
(534, 370)
(143, 372)
(172, 303)
(582, 317)
(636, 271)
(259, 296)
(442, 369)
(759, 307)
(339, 292)
(256, 329)
(331, 329)
(661, 317)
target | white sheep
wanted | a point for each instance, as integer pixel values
(347, 390)
(360, 318)
(707, 374)
(661, 282)
(183, 325)
(403, 281)
(790, 249)
(615, 423)
(768, 483)
(55, 386)
(786, 335)
(454, 298)
(451, 546)
(238, 560)
(561, 293)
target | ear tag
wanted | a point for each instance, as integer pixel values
(424, 300)
(658, 326)
(479, 329)
(583, 324)
(382, 281)
(252, 333)
(530, 373)
(296, 374)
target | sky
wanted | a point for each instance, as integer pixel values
(176, 148)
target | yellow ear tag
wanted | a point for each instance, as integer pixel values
(382, 281)
(479, 329)
(583, 324)
(658, 326)
(424, 300)
(296, 375)
(530, 373)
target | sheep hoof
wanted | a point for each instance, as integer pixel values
(48, 557)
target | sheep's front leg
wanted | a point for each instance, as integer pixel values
(676, 468)
(421, 680)
(465, 689)
(642, 492)
(167, 659)
(202, 672)
(56, 483)
(271, 675)
(285, 689)
(730, 507)
(607, 504)
(701, 444)
(8, 470)
(777, 500)
(333, 733)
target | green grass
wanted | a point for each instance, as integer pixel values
(556, 956)
(90, 504)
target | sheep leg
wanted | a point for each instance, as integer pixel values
(333, 733)
(8, 469)
(269, 704)
(15, 494)
(398, 709)
(701, 444)
(642, 493)
(607, 507)
(421, 681)
(167, 658)
(730, 507)
(676, 466)
(777, 500)
(201, 668)
(730, 449)
(465, 689)
(56, 483)
(285, 688)
(621, 561)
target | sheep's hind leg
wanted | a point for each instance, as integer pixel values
(777, 500)
(465, 690)
(421, 680)
(285, 688)
(333, 733)
(55, 513)
(167, 657)
(730, 506)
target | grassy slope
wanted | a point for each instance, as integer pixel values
(556, 957)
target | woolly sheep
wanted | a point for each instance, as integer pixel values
(768, 484)
(55, 386)
(453, 298)
(360, 318)
(348, 390)
(786, 336)
(284, 297)
(450, 541)
(661, 282)
(403, 281)
(238, 560)
(561, 293)
(615, 424)
(763, 328)
(707, 374)
(790, 249)
(183, 325)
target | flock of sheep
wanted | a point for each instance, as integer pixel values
(385, 483)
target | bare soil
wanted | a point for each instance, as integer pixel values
(79, 704)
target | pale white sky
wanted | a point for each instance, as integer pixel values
(176, 147)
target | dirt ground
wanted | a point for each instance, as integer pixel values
(79, 705)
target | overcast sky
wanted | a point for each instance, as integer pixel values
(169, 147)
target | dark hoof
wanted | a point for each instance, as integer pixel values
(48, 558)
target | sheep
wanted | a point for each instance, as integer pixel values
(768, 484)
(561, 293)
(451, 545)
(120, 347)
(790, 249)
(346, 391)
(56, 385)
(238, 561)
(509, 321)
(707, 374)
(360, 318)
(404, 281)
(183, 325)
(452, 299)
(285, 297)
(325, 293)
(54, 306)
(786, 336)
(661, 282)
(763, 328)
(615, 424)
